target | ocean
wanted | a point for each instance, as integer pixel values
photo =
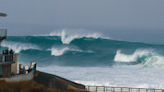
(98, 58)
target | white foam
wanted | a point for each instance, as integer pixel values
(68, 35)
(151, 59)
(155, 60)
(58, 51)
(61, 50)
(17, 46)
(120, 57)
(118, 76)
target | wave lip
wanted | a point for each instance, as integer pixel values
(61, 51)
(17, 46)
(120, 57)
(68, 35)
(155, 60)
(57, 51)
(146, 57)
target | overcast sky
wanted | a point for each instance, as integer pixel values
(107, 13)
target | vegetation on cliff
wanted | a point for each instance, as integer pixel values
(25, 86)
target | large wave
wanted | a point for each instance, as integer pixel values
(68, 35)
(17, 46)
(87, 51)
(148, 58)
(120, 57)
(60, 51)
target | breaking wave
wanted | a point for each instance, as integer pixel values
(58, 51)
(87, 51)
(68, 35)
(17, 46)
(120, 57)
(61, 51)
(148, 58)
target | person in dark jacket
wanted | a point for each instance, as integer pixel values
(11, 55)
(6, 56)
(3, 57)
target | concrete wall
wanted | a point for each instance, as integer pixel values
(6, 70)
(54, 81)
(14, 65)
(21, 77)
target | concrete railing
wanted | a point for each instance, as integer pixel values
(119, 89)
(21, 77)
(7, 58)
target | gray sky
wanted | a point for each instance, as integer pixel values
(107, 13)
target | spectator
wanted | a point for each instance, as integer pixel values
(20, 68)
(6, 56)
(11, 55)
(3, 58)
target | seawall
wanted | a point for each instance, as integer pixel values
(49, 80)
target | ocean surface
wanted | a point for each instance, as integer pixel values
(98, 58)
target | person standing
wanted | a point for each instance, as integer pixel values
(3, 57)
(20, 70)
(11, 55)
(6, 56)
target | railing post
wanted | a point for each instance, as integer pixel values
(96, 88)
(118, 89)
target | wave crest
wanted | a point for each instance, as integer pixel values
(155, 61)
(61, 51)
(148, 58)
(17, 46)
(68, 35)
(57, 51)
(120, 57)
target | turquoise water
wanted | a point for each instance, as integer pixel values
(83, 51)
(116, 58)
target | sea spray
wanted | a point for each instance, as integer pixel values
(85, 51)
(17, 46)
(61, 50)
(148, 58)
(120, 57)
(88, 57)
(93, 61)
(58, 51)
(68, 35)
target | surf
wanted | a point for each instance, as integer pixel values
(146, 58)
(18, 47)
(85, 50)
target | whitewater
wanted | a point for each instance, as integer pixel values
(92, 58)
